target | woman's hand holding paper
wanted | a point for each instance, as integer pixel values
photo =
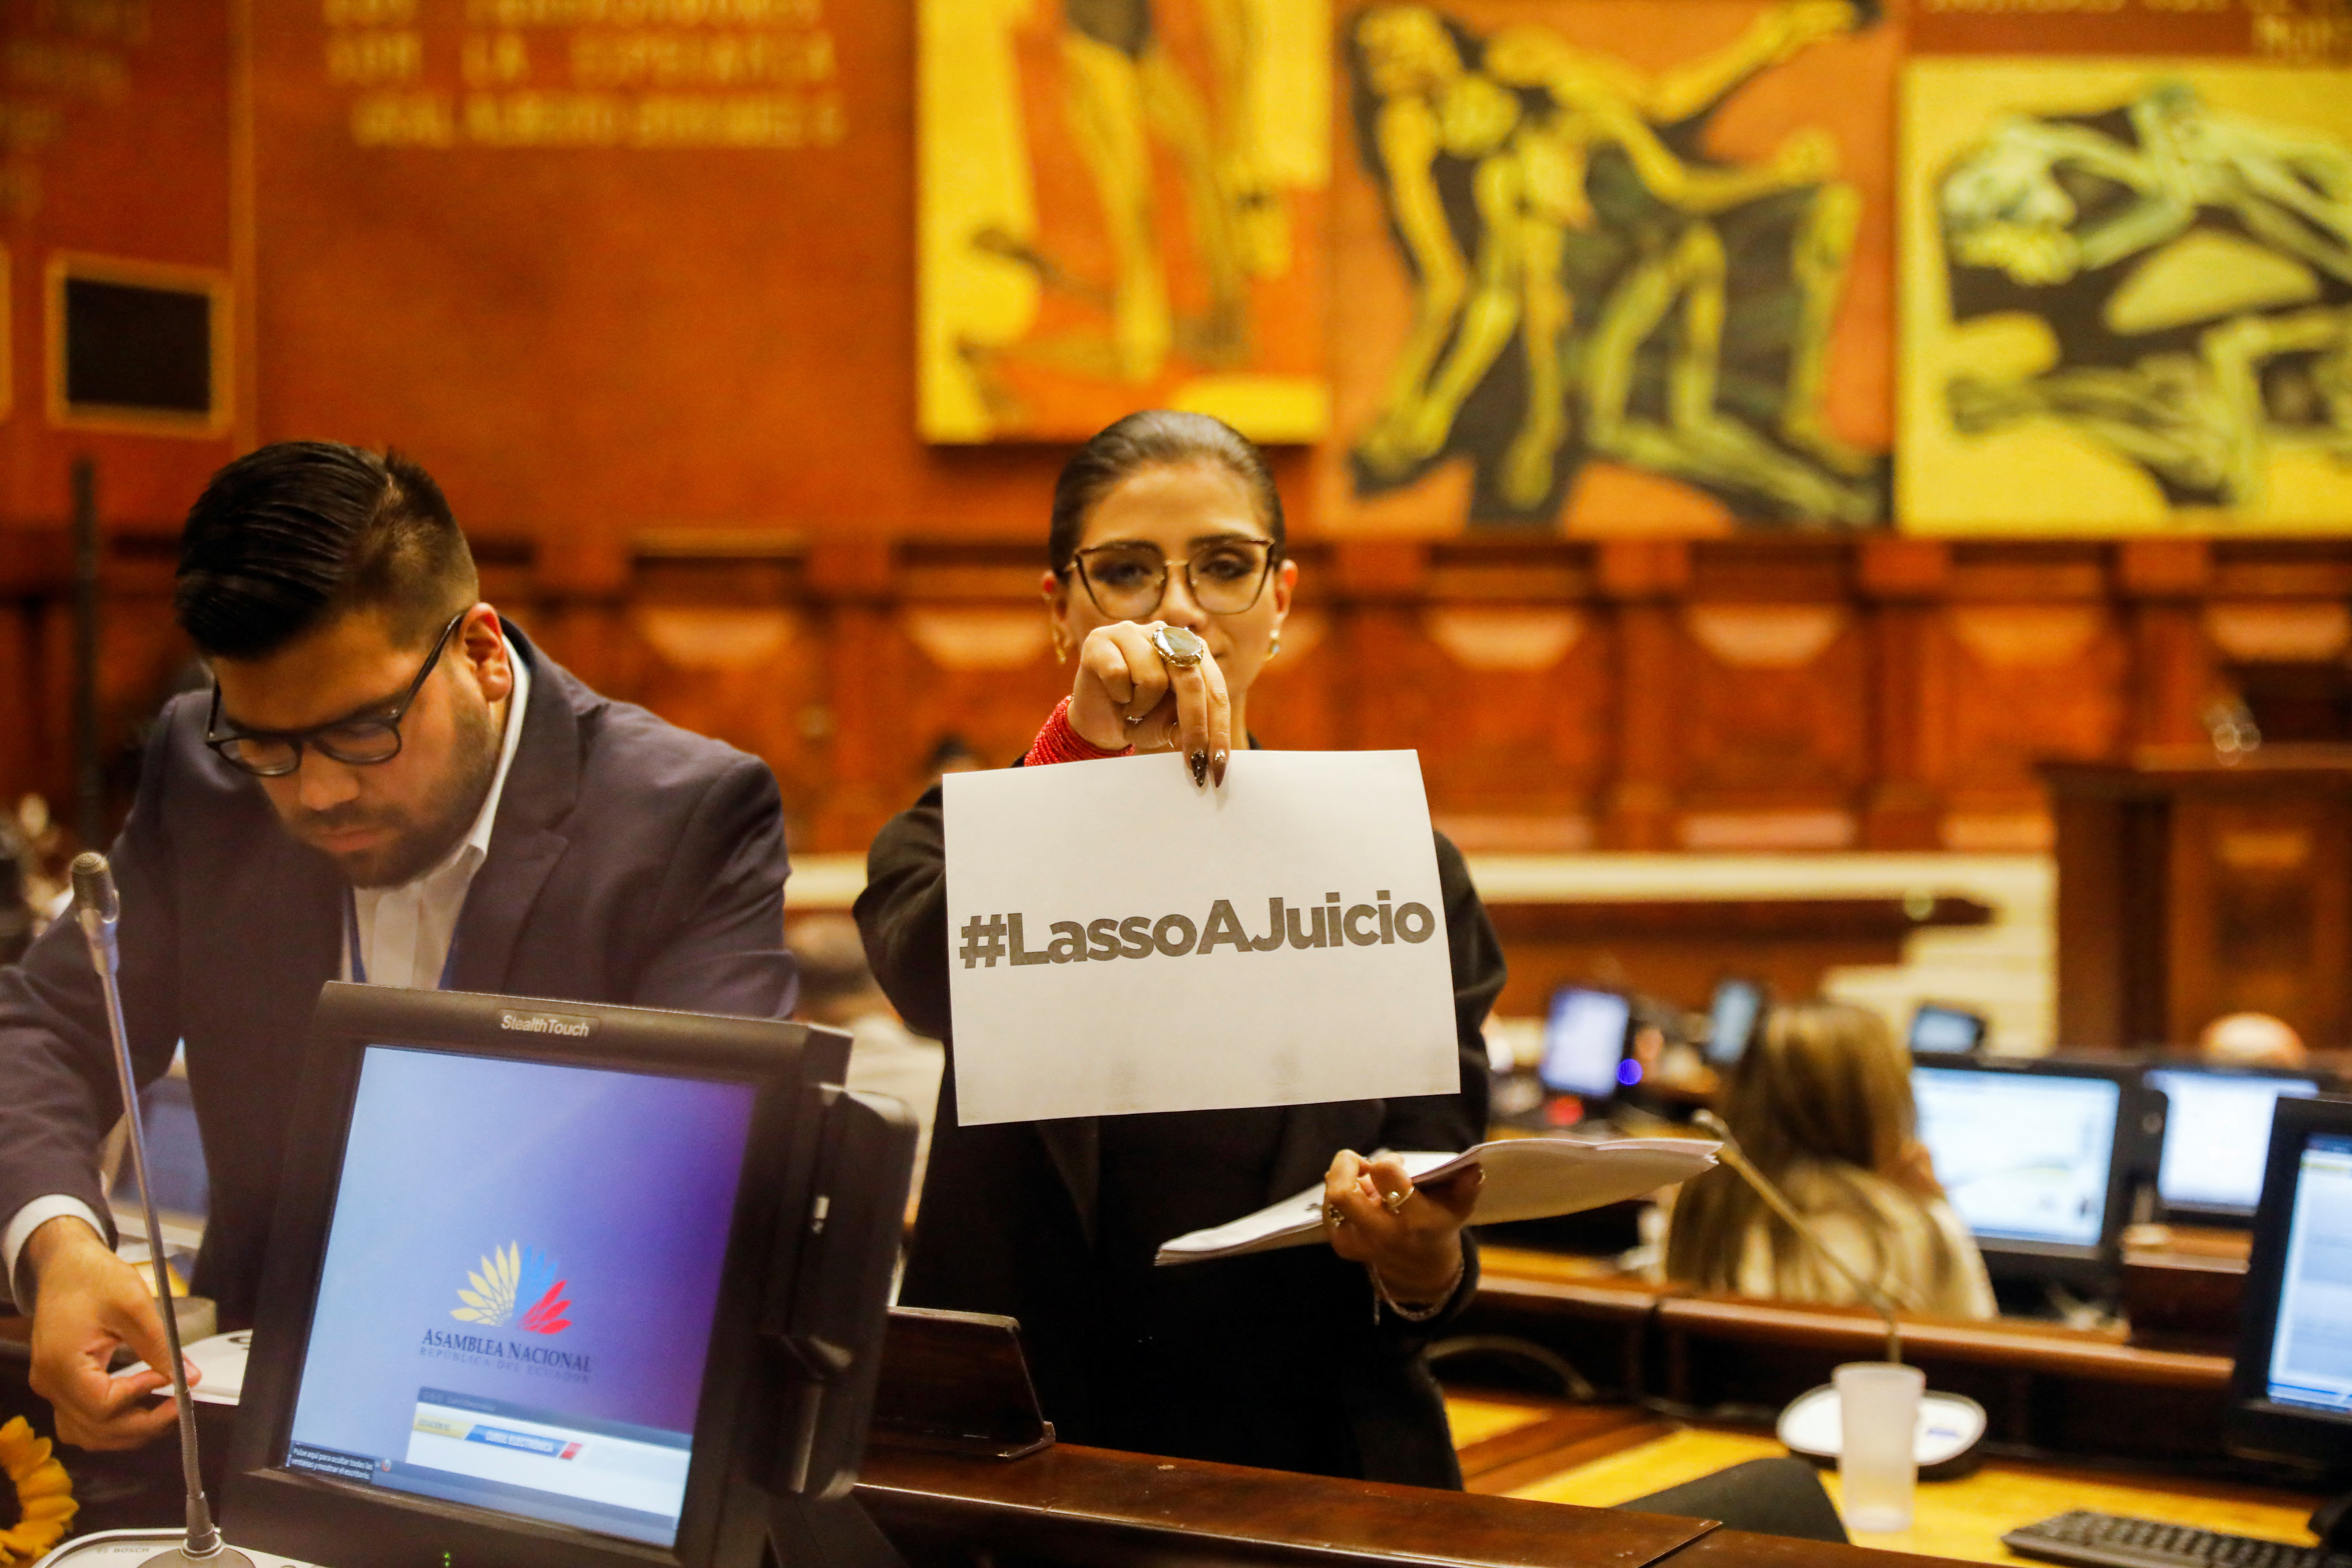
(1409, 1237)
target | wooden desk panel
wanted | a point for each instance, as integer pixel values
(1963, 1518)
(1106, 1509)
(1852, 1333)
(2062, 1390)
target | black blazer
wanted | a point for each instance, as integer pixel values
(1008, 1221)
(629, 862)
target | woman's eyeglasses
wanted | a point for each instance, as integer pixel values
(1225, 577)
(358, 741)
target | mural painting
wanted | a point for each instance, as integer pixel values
(1629, 238)
(2130, 298)
(1121, 206)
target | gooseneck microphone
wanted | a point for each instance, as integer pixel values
(98, 908)
(1735, 1157)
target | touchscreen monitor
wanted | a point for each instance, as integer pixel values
(517, 1298)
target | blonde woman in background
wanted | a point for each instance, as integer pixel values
(1822, 1102)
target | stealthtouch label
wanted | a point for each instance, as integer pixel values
(1121, 942)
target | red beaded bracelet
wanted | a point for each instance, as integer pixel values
(1058, 743)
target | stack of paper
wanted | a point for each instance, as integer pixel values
(1527, 1178)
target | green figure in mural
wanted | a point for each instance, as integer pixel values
(1671, 312)
(2197, 365)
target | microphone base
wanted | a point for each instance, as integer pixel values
(167, 1548)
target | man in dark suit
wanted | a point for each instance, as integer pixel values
(384, 783)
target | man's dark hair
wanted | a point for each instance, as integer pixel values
(295, 534)
(1154, 439)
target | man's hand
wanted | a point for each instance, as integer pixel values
(88, 1302)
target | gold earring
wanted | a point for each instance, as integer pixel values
(1061, 653)
(1275, 646)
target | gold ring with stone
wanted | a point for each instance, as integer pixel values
(1179, 647)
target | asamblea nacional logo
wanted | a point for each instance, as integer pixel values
(515, 1285)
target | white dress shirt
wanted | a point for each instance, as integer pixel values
(404, 940)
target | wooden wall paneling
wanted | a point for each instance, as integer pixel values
(2094, 942)
(2173, 677)
(1384, 691)
(35, 569)
(864, 674)
(2260, 913)
(2041, 671)
(728, 648)
(1910, 692)
(1776, 708)
(975, 629)
(1643, 577)
(1291, 704)
(1519, 673)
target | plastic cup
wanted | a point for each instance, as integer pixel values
(1879, 1470)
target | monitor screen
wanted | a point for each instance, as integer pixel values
(518, 1293)
(2217, 1136)
(2311, 1350)
(1739, 1007)
(2024, 1156)
(1584, 1042)
(1945, 1031)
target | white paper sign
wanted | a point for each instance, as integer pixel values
(1113, 945)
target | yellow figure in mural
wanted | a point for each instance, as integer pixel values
(1550, 191)
(1125, 95)
(2194, 272)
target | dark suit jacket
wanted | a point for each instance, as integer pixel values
(629, 862)
(1008, 1221)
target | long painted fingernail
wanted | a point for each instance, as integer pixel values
(1218, 768)
(1200, 760)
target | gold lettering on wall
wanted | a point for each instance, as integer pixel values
(370, 57)
(644, 13)
(57, 59)
(369, 13)
(631, 74)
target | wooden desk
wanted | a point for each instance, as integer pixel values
(2185, 1285)
(1095, 1509)
(1963, 1518)
(2062, 1390)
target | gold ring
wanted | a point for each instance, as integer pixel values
(1178, 645)
(1332, 1216)
(1396, 1201)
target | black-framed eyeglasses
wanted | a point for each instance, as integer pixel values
(1224, 576)
(360, 741)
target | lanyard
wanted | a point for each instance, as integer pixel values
(358, 965)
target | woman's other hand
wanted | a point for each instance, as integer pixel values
(1126, 694)
(1414, 1244)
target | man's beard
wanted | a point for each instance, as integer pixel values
(417, 841)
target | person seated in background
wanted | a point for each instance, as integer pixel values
(2253, 1040)
(886, 1056)
(1166, 589)
(1822, 1102)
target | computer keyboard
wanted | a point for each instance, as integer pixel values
(2114, 1541)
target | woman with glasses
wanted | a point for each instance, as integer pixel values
(1167, 589)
